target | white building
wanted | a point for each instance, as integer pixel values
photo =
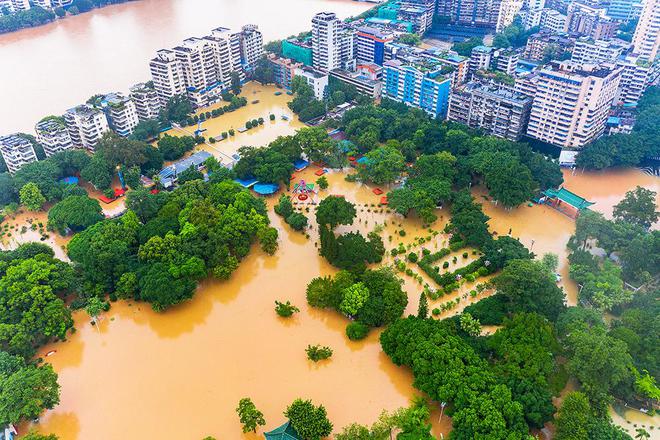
(86, 125)
(572, 102)
(647, 34)
(636, 75)
(20, 5)
(146, 101)
(53, 135)
(166, 75)
(201, 68)
(318, 81)
(252, 45)
(508, 11)
(505, 61)
(121, 113)
(46, 4)
(480, 58)
(326, 44)
(496, 110)
(16, 151)
(552, 20)
(590, 51)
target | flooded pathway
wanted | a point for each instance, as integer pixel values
(181, 373)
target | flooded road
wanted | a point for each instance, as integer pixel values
(51, 68)
(180, 374)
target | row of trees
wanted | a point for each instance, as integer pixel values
(33, 289)
(393, 133)
(274, 163)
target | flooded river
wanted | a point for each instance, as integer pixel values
(180, 374)
(48, 69)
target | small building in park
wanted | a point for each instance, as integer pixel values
(284, 432)
(565, 201)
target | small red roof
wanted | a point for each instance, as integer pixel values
(377, 191)
(119, 192)
(320, 172)
(383, 200)
(154, 191)
(105, 199)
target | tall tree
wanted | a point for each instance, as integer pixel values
(639, 207)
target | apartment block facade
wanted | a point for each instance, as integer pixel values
(86, 126)
(16, 151)
(147, 103)
(496, 110)
(371, 44)
(201, 68)
(53, 135)
(326, 45)
(646, 40)
(121, 113)
(590, 51)
(571, 103)
(418, 85)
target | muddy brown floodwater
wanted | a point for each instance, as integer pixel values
(180, 374)
(48, 69)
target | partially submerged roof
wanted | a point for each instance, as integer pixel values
(284, 432)
(569, 197)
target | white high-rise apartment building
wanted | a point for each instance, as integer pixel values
(86, 125)
(495, 109)
(201, 68)
(20, 5)
(53, 135)
(326, 44)
(646, 40)
(252, 45)
(121, 113)
(227, 49)
(552, 20)
(166, 75)
(636, 75)
(46, 4)
(590, 51)
(16, 151)
(571, 103)
(146, 101)
(508, 11)
(198, 65)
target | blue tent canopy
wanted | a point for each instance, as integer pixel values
(300, 164)
(246, 183)
(266, 189)
(71, 180)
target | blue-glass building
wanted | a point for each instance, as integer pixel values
(420, 85)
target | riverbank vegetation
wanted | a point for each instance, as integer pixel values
(37, 16)
(33, 287)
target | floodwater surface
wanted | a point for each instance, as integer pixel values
(51, 68)
(180, 374)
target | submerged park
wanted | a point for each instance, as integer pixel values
(373, 213)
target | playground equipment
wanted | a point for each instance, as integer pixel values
(304, 190)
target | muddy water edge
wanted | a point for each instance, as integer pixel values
(181, 373)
